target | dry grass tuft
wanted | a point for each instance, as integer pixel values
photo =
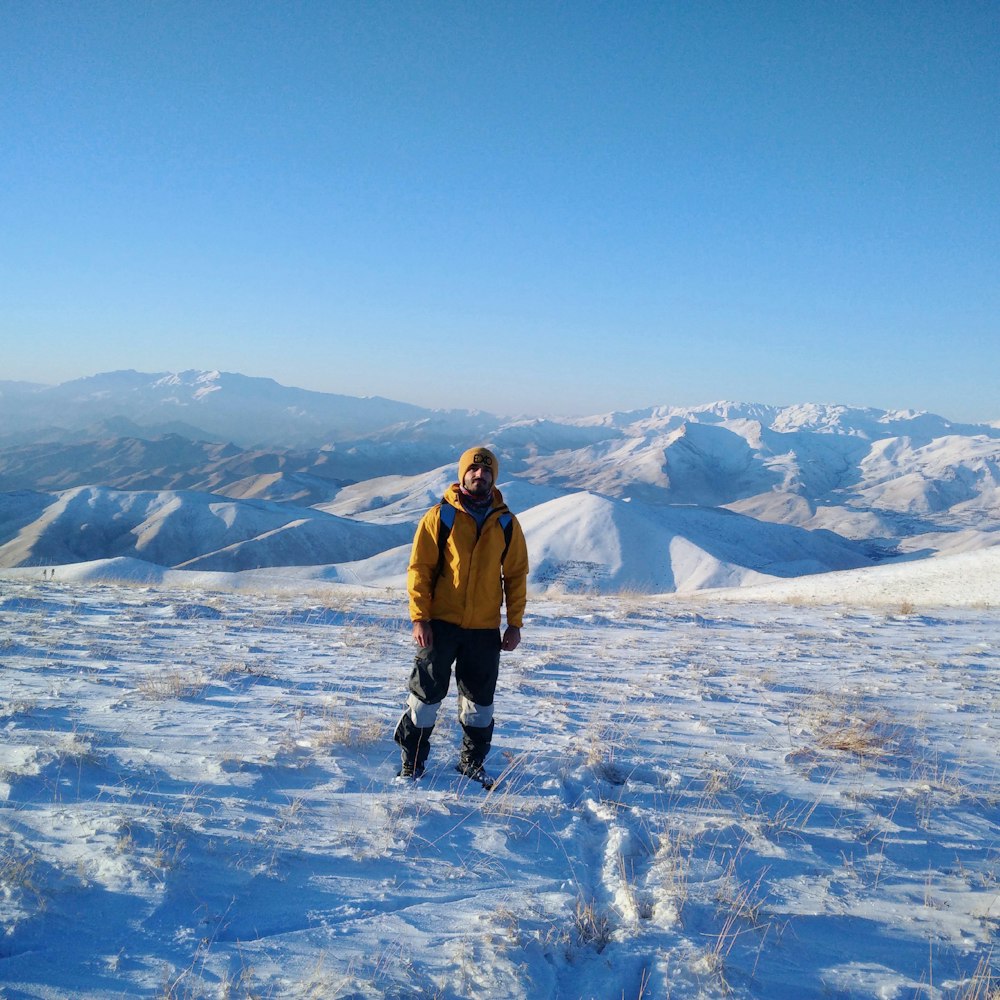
(983, 985)
(863, 738)
(171, 684)
(348, 733)
(17, 875)
(593, 928)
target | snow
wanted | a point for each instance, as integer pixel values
(585, 542)
(664, 499)
(747, 747)
(183, 528)
(966, 579)
(578, 541)
(785, 791)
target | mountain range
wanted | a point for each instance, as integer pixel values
(212, 470)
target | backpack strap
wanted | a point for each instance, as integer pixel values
(444, 530)
(507, 523)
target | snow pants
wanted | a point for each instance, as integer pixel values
(475, 655)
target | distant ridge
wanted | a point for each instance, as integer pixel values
(221, 406)
(252, 410)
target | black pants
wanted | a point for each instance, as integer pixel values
(475, 655)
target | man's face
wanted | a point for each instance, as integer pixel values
(478, 480)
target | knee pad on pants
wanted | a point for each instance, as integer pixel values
(471, 714)
(421, 714)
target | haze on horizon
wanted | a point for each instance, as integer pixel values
(543, 209)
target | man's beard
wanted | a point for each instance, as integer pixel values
(480, 494)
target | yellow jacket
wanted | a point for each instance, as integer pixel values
(473, 584)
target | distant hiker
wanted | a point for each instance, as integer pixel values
(468, 558)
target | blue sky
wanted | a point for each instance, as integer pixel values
(560, 208)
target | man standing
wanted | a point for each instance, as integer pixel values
(468, 558)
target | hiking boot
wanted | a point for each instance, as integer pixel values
(474, 772)
(411, 770)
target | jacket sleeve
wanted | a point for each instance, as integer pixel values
(423, 564)
(515, 577)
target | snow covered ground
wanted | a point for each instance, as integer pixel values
(789, 795)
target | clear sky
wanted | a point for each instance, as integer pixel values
(552, 208)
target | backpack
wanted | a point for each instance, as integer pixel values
(444, 530)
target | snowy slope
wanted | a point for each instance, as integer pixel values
(579, 541)
(697, 798)
(887, 482)
(170, 462)
(721, 456)
(589, 542)
(393, 498)
(177, 528)
(964, 579)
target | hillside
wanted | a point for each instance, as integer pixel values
(577, 542)
(180, 530)
(664, 499)
(697, 798)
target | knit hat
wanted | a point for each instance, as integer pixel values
(480, 455)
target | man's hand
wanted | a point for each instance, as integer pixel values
(423, 634)
(511, 638)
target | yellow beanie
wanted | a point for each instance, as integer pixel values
(480, 455)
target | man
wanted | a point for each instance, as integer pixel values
(468, 558)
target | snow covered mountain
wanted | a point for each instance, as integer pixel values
(663, 499)
(183, 530)
(213, 406)
(172, 462)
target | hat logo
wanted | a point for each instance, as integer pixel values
(482, 459)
